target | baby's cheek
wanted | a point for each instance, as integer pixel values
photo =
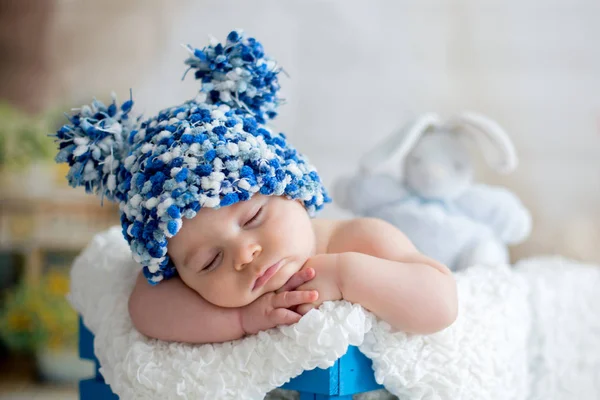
(226, 295)
(207, 289)
(213, 294)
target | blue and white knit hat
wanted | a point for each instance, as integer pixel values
(212, 151)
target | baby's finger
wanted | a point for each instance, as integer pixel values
(283, 316)
(304, 308)
(290, 299)
(298, 279)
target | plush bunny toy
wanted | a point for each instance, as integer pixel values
(421, 180)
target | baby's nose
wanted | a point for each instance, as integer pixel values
(247, 255)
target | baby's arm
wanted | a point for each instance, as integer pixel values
(382, 270)
(171, 311)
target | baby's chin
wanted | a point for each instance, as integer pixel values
(282, 276)
(239, 301)
(234, 304)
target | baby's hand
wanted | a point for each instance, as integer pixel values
(275, 308)
(326, 281)
(300, 277)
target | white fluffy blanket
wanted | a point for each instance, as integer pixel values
(531, 331)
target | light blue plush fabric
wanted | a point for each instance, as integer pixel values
(435, 201)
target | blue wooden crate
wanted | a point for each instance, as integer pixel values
(351, 374)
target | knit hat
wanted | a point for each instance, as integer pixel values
(212, 151)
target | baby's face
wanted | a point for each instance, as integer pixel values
(233, 255)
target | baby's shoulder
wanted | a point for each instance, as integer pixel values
(363, 235)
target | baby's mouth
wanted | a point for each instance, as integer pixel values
(268, 274)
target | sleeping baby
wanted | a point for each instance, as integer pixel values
(219, 212)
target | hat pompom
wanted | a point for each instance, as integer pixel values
(94, 145)
(237, 74)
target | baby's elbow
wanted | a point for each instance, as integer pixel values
(135, 312)
(138, 314)
(447, 304)
(448, 314)
(437, 321)
(443, 308)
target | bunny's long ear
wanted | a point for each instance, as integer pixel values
(498, 150)
(393, 149)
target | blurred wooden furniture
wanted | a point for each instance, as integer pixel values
(57, 219)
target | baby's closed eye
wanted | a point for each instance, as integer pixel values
(255, 217)
(214, 262)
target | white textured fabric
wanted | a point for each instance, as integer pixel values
(483, 355)
(564, 347)
(527, 332)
